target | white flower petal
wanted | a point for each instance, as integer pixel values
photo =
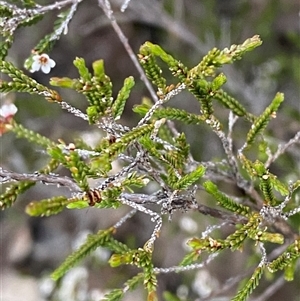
(35, 66)
(36, 58)
(52, 63)
(8, 110)
(46, 68)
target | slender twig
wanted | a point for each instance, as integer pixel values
(189, 267)
(122, 220)
(39, 9)
(39, 177)
(155, 217)
(105, 5)
(233, 163)
(184, 201)
(282, 149)
(232, 218)
(21, 14)
(76, 112)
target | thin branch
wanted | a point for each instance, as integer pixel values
(282, 149)
(185, 203)
(232, 160)
(232, 218)
(21, 14)
(189, 267)
(105, 5)
(125, 218)
(51, 179)
(39, 9)
(76, 112)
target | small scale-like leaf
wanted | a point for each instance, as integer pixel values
(250, 285)
(119, 259)
(99, 71)
(79, 63)
(119, 104)
(63, 82)
(218, 82)
(9, 196)
(289, 271)
(78, 205)
(261, 122)
(224, 200)
(279, 186)
(231, 103)
(176, 67)
(291, 254)
(47, 207)
(190, 258)
(30, 135)
(92, 242)
(191, 178)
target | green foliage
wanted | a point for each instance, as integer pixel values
(23, 83)
(232, 104)
(170, 113)
(97, 88)
(11, 193)
(288, 257)
(13, 17)
(142, 259)
(216, 58)
(153, 71)
(289, 271)
(191, 257)
(92, 242)
(154, 151)
(224, 200)
(261, 122)
(60, 25)
(176, 67)
(207, 243)
(5, 44)
(31, 136)
(267, 181)
(250, 285)
(119, 104)
(73, 162)
(235, 240)
(187, 180)
(130, 284)
(47, 207)
(5, 11)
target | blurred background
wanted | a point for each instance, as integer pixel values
(32, 247)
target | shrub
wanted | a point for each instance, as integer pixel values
(157, 174)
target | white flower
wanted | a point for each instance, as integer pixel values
(8, 110)
(42, 61)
